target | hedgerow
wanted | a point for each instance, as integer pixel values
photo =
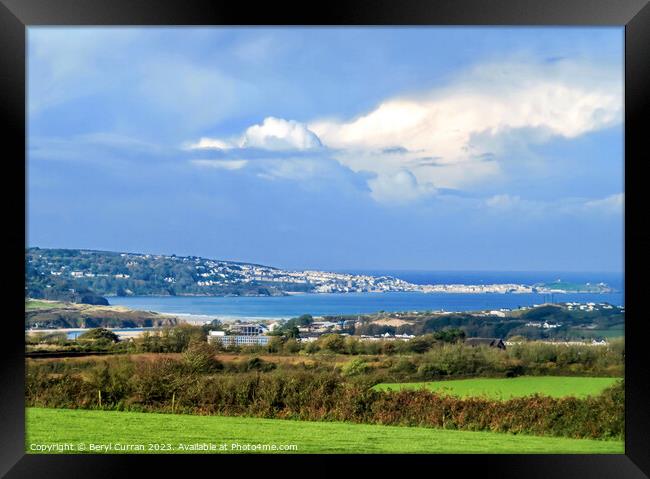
(169, 385)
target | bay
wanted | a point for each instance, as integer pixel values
(359, 303)
(259, 307)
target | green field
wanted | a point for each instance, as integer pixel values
(36, 304)
(505, 388)
(120, 429)
(614, 332)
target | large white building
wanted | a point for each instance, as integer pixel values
(247, 338)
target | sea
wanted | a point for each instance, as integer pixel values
(203, 308)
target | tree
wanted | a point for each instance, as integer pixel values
(99, 334)
(332, 342)
(179, 337)
(89, 297)
(352, 345)
(305, 320)
(449, 335)
(420, 344)
(292, 332)
(199, 357)
(275, 344)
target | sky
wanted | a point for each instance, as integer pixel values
(434, 148)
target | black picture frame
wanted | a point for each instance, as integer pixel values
(634, 15)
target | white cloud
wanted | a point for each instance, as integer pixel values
(401, 187)
(524, 208)
(298, 169)
(209, 144)
(279, 134)
(274, 134)
(611, 204)
(221, 164)
(468, 125)
(458, 136)
(577, 207)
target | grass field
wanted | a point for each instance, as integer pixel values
(615, 332)
(39, 304)
(121, 430)
(505, 388)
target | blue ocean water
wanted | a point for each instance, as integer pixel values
(359, 303)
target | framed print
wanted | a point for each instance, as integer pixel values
(378, 230)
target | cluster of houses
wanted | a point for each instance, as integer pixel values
(589, 306)
(321, 327)
(251, 334)
(544, 325)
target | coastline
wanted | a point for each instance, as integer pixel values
(228, 309)
(461, 289)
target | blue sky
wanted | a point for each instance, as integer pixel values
(331, 148)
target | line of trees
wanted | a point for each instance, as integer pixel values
(440, 354)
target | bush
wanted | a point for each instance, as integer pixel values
(352, 345)
(355, 367)
(314, 395)
(403, 366)
(199, 358)
(154, 382)
(275, 345)
(258, 364)
(170, 340)
(99, 334)
(420, 344)
(292, 346)
(332, 342)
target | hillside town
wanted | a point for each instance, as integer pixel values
(109, 273)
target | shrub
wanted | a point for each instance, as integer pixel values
(275, 345)
(317, 395)
(258, 364)
(292, 346)
(199, 358)
(99, 334)
(355, 367)
(332, 342)
(420, 344)
(404, 366)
